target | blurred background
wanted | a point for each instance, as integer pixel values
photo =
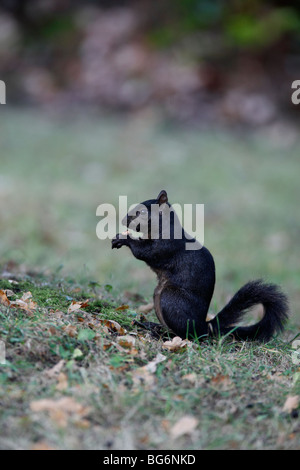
(107, 98)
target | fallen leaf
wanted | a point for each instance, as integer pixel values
(122, 307)
(27, 305)
(106, 344)
(114, 326)
(55, 370)
(71, 330)
(291, 403)
(8, 292)
(126, 341)
(185, 425)
(25, 302)
(3, 299)
(222, 381)
(75, 305)
(52, 330)
(175, 344)
(26, 296)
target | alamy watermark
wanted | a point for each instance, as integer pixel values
(155, 222)
(2, 92)
(296, 94)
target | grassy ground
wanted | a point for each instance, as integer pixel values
(73, 380)
(102, 394)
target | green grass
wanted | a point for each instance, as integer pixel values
(54, 173)
(235, 390)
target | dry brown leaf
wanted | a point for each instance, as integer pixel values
(126, 341)
(291, 403)
(185, 425)
(25, 302)
(106, 344)
(8, 292)
(122, 307)
(75, 305)
(55, 370)
(113, 326)
(222, 381)
(175, 344)
(27, 305)
(26, 296)
(52, 330)
(3, 299)
(71, 330)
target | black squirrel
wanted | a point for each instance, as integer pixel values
(186, 280)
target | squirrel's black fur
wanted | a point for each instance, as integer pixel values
(186, 280)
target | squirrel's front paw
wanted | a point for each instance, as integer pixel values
(118, 242)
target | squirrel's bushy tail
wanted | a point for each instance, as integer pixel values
(275, 305)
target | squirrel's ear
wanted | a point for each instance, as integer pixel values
(162, 198)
